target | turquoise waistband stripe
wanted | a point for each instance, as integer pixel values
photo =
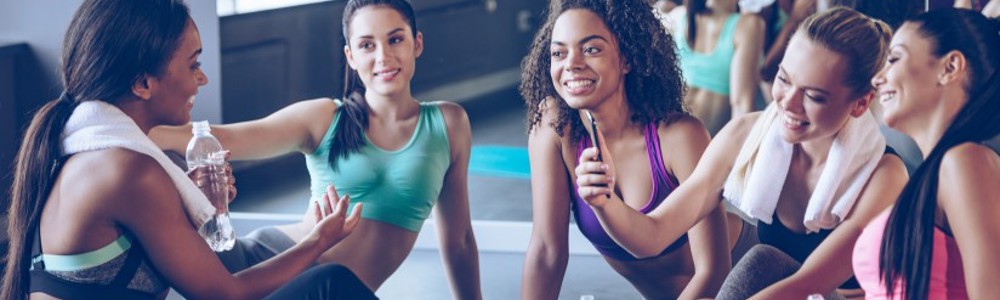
(76, 262)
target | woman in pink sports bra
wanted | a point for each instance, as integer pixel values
(940, 88)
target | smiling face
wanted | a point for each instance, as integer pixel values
(173, 97)
(809, 88)
(383, 49)
(909, 82)
(586, 66)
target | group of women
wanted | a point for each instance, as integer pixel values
(611, 143)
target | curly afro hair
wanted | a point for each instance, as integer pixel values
(654, 87)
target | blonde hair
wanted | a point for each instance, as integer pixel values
(863, 41)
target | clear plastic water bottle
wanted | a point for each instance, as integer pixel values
(204, 151)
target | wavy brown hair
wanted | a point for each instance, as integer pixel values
(654, 87)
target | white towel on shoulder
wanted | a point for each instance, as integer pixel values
(96, 125)
(759, 173)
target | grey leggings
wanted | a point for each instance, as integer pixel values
(254, 248)
(761, 267)
(326, 281)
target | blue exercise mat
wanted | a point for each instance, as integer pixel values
(500, 161)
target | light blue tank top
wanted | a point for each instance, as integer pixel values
(708, 71)
(397, 187)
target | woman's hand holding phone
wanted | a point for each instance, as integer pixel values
(595, 173)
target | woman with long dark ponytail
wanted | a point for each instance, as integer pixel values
(400, 157)
(98, 212)
(940, 88)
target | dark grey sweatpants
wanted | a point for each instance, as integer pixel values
(254, 248)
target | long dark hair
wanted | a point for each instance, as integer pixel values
(694, 8)
(654, 87)
(353, 122)
(909, 234)
(110, 44)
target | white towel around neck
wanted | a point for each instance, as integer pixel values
(96, 125)
(759, 173)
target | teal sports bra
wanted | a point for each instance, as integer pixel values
(708, 71)
(397, 187)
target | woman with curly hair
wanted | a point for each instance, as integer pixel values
(612, 60)
(812, 169)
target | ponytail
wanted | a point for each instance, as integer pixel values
(353, 122)
(694, 8)
(905, 254)
(36, 169)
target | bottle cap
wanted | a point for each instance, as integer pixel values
(200, 126)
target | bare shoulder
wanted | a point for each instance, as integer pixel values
(543, 130)
(749, 23)
(971, 163)
(453, 113)
(683, 141)
(749, 26)
(456, 119)
(118, 178)
(682, 128)
(312, 107)
(736, 131)
(678, 13)
(891, 166)
(459, 130)
(308, 116)
(883, 187)
(543, 137)
(967, 188)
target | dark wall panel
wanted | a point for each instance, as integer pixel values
(257, 81)
(463, 40)
(307, 67)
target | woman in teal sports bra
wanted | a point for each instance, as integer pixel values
(719, 51)
(91, 219)
(400, 157)
(580, 61)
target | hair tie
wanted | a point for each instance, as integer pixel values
(66, 97)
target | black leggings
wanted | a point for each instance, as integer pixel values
(327, 281)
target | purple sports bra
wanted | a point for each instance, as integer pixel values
(663, 184)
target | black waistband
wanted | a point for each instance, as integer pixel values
(45, 282)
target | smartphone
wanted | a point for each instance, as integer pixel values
(594, 140)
